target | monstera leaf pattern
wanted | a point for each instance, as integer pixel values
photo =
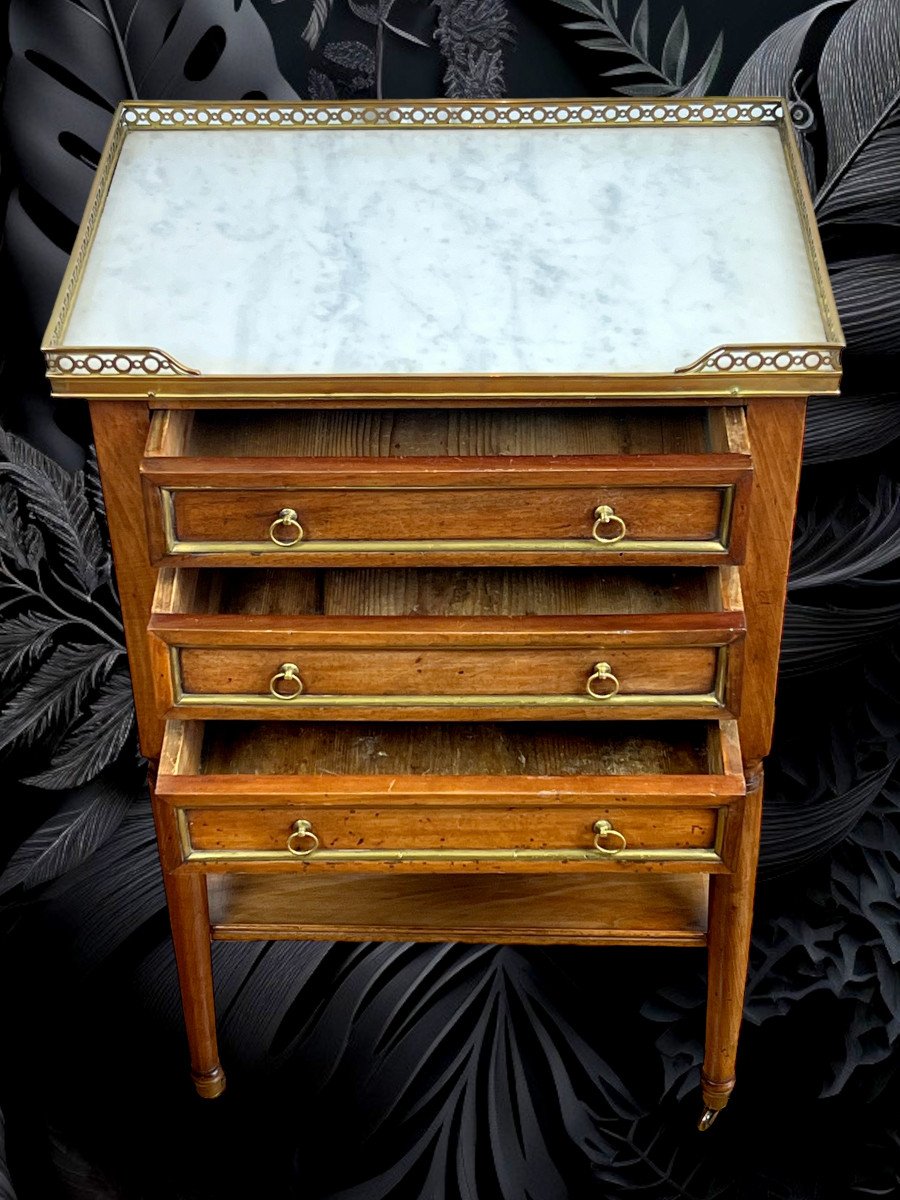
(437, 1072)
(57, 111)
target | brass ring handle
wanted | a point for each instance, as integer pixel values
(302, 831)
(290, 673)
(605, 515)
(604, 829)
(602, 673)
(288, 518)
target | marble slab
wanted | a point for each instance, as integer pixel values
(526, 250)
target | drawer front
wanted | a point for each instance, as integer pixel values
(498, 836)
(495, 797)
(667, 486)
(435, 645)
(450, 684)
(461, 525)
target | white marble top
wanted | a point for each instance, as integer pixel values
(331, 252)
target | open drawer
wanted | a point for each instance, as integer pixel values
(448, 645)
(481, 797)
(447, 488)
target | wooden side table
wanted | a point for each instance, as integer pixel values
(450, 451)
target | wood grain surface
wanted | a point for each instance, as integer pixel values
(666, 910)
(440, 593)
(120, 431)
(393, 749)
(409, 827)
(186, 900)
(427, 433)
(730, 921)
(776, 433)
(422, 510)
(454, 674)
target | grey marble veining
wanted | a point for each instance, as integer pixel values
(447, 251)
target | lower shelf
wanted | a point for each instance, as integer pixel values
(612, 909)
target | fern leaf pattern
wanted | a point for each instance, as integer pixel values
(61, 644)
(315, 26)
(604, 31)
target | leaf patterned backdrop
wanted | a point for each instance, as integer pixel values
(393, 1072)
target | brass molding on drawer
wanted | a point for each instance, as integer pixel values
(596, 854)
(303, 700)
(589, 545)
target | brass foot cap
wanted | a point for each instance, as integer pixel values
(211, 1084)
(709, 1115)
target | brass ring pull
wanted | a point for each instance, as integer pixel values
(302, 831)
(290, 673)
(602, 673)
(605, 515)
(288, 518)
(604, 829)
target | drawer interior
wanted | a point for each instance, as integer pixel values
(446, 593)
(441, 433)
(433, 750)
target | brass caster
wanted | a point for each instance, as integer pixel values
(210, 1085)
(709, 1115)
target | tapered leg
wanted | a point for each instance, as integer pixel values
(730, 918)
(188, 903)
(775, 427)
(189, 915)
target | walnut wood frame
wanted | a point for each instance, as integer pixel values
(775, 426)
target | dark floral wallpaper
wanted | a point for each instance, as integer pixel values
(396, 1072)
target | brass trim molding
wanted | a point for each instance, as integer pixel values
(809, 226)
(136, 360)
(356, 855)
(304, 699)
(428, 856)
(130, 372)
(442, 114)
(765, 358)
(586, 545)
(252, 699)
(84, 239)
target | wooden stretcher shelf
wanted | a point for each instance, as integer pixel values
(620, 910)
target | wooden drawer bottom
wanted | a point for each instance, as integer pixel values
(619, 910)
